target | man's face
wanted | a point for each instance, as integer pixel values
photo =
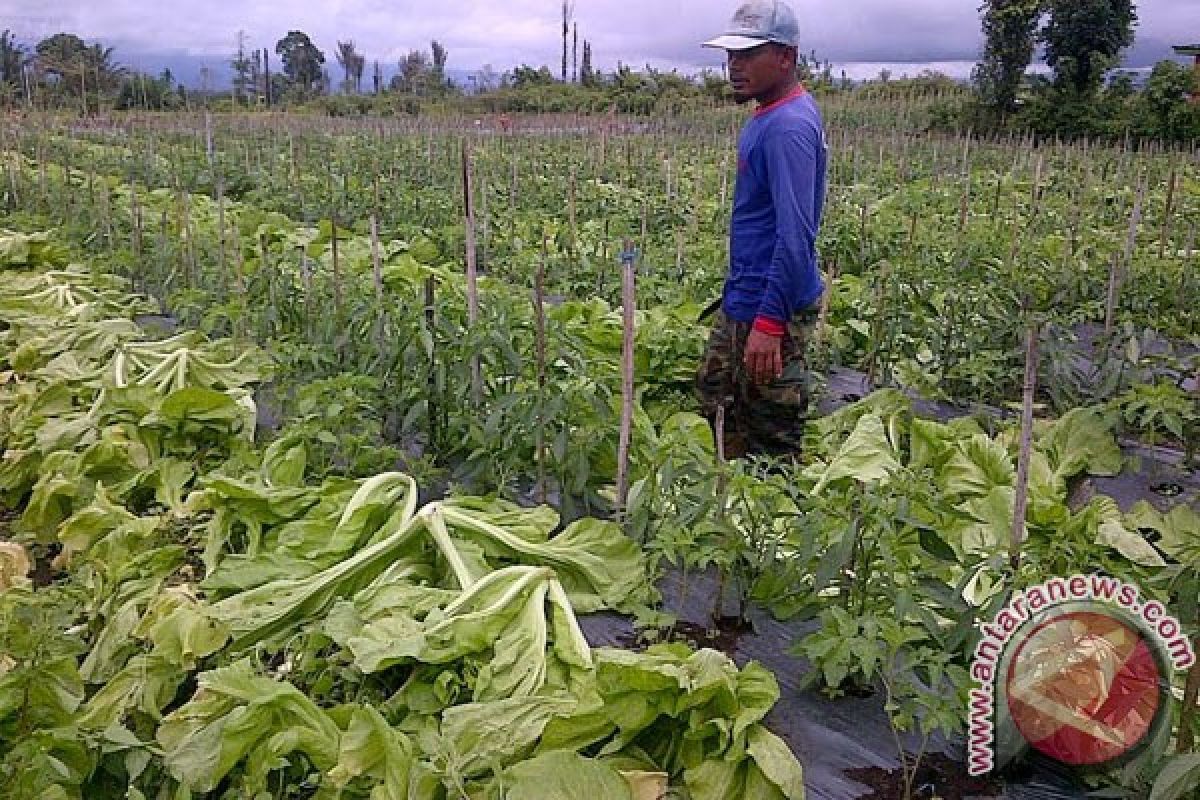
(759, 71)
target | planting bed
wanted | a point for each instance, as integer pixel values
(323, 522)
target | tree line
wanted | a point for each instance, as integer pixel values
(1084, 93)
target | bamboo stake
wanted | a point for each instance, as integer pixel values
(539, 309)
(431, 379)
(572, 228)
(337, 267)
(628, 299)
(136, 212)
(1018, 537)
(239, 262)
(472, 270)
(376, 260)
(190, 235)
(1126, 260)
(1168, 211)
(222, 262)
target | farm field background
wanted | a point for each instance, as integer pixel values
(290, 508)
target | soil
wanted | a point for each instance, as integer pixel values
(722, 635)
(44, 571)
(938, 778)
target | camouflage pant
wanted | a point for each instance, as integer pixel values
(767, 420)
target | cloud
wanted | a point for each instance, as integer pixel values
(505, 34)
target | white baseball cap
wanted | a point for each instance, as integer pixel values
(757, 23)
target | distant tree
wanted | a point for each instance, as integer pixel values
(243, 70)
(525, 76)
(377, 78)
(12, 59)
(77, 69)
(587, 75)
(1010, 33)
(575, 54)
(145, 92)
(1166, 95)
(269, 92)
(352, 66)
(63, 57)
(301, 60)
(440, 56)
(486, 79)
(715, 85)
(1084, 39)
(411, 77)
(256, 78)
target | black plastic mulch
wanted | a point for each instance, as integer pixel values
(832, 737)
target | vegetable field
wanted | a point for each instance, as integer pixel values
(320, 438)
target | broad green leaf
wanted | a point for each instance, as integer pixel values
(234, 713)
(867, 456)
(978, 466)
(564, 776)
(1111, 532)
(1081, 441)
(772, 756)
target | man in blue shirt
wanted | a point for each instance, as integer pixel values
(754, 364)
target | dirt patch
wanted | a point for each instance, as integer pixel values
(722, 635)
(44, 571)
(938, 778)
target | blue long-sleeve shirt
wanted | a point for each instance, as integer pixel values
(777, 207)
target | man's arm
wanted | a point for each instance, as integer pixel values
(791, 160)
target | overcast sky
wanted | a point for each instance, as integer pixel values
(664, 33)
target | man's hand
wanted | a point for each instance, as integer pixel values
(764, 357)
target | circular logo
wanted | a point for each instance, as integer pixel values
(1085, 687)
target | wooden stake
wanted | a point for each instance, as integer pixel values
(337, 268)
(572, 228)
(1018, 537)
(1121, 266)
(192, 269)
(135, 209)
(472, 270)
(222, 262)
(431, 379)
(628, 299)
(539, 318)
(376, 260)
(1168, 211)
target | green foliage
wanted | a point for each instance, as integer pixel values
(78, 67)
(1009, 29)
(12, 59)
(148, 93)
(302, 61)
(1084, 39)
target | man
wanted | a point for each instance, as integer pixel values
(754, 364)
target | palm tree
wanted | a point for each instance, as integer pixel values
(104, 73)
